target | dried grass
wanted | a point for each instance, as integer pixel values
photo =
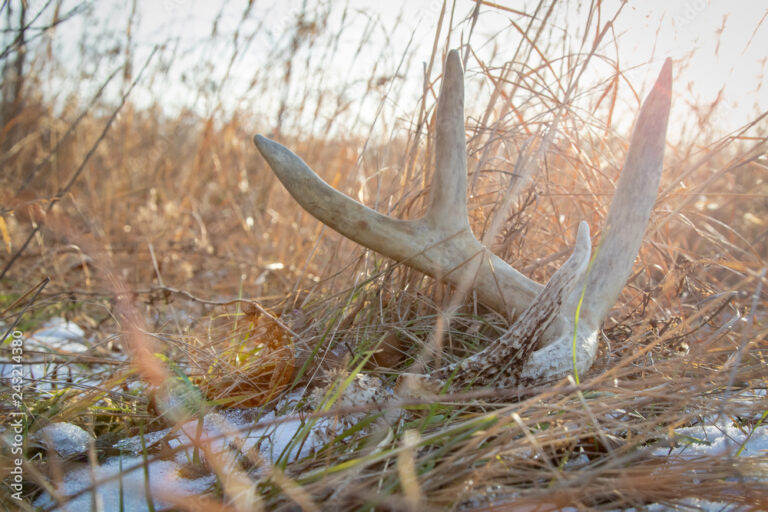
(175, 238)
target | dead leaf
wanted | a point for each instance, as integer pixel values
(6, 235)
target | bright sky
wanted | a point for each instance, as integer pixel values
(720, 46)
(727, 43)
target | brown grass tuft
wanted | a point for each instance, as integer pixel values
(191, 270)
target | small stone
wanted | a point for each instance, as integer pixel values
(66, 439)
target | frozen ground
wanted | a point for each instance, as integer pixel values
(167, 478)
(57, 337)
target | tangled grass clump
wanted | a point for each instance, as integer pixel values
(201, 289)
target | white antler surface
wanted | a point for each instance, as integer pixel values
(539, 345)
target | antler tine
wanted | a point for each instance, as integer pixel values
(547, 341)
(631, 206)
(503, 361)
(448, 210)
(625, 226)
(441, 243)
(354, 220)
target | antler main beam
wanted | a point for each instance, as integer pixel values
(442, 245)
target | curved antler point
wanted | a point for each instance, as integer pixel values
(665, 77)
(261, 142)
(583, 232)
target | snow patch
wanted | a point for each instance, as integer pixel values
(59, 334)
(56, 336)
(717, 440)
(126, 491)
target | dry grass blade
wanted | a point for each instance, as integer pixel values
(199, 332)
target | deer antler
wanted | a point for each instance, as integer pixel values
(442, 245)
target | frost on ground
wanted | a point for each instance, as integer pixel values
(723, 440)
(273, 442)
(125, 490)
(57, 336)
(229, 430)
(123, 481)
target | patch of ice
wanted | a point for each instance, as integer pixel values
(132, 385)
(687, 505)
(697, 504)
(714, 440)
(581, 460)
(66, 439)
(720, 440)
(284, 440)
(228, 430)
(59, 334)
(133, 444)
(234, 429)
(126, 492)
(56, 335)
(361, 390)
